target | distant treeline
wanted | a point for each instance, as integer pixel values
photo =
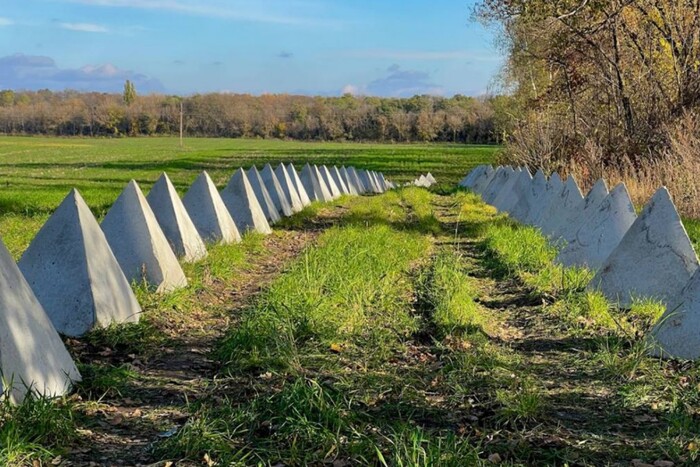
(420, 118)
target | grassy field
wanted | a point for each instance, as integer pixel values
(36, 173)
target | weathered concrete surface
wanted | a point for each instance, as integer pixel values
(468, 180)
(263, 196)
(552, 191)
(569, 199)
(366, 181)
(241, 202)
(350, 182)
(676, 334)
(32, 354)
(139, 243)
(655, 258)
(517, 192)
(289, 188)
(330, 183)
(498, 178)
(375, 181)
(208, 212)
(573, 220)
(339, 180)
(505, 192)
(499, 182)
(530, 201)
(313, 184)
(430, 178)
(175, 221)
(480, 182)
(301, 191)
(601, 231)
(359, 184)
(74, 274)
(277, 194)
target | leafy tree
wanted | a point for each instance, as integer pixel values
(129, 92)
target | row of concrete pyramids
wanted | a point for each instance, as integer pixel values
(75, 275)
(425, 181)
(645, 256)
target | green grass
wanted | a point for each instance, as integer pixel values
(38, 172)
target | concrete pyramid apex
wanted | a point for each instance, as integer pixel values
(175, 221)
(243, 205)
(74, 274)
(385, 185)
(569, 200)
(379, 186)
(339, 180)
(32, 355)
(301, 191)
(208, 212)
(277, 194)
(494, 180)
(655, 259)
(330, 183)
(601, 231)
(313, 184)
(500, 181)
(368, 185)
(518, 192)
(676, 334)
(139, 243)
(263, 196)
(289, 189)
(350, 182)
(569, 226)
(468, 180)
(481, 181)
(430, 178)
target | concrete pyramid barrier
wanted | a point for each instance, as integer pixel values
(243, 205)
(289, 188)
(480, 182)
(139, 243)
(313, 184)
(517, 192)
(277, 194)
(569, 199)
(601, 231)
(573, 219)
(369, 184)
(655, 259)
(296, 181)
(676, 334)
(553, 189)
(505, 193)
(383, 182)
(470, 178)
(330, 183)
(208, 212)
(263, 196)
(350, 183)
(496, 180)
(339, 180)
(74, 274)
(532, 198)
(377, 184)
(500, 181)
(175, 221)
(359, 184)
(430, 178)
(32, 356)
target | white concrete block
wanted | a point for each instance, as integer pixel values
(350, 181)
(243, 205)
(301, 191)
(570, 224)
(208, 212)
(531, 200)
(330, 183)
(568, 200)
(32, 355)
(339, 181)
(175, 221)
(289, 188)
(139, 243)
(263, 196)
(276, 192)
(74, 274)
(655, 259)
(601, 231)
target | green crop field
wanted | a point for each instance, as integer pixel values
(37, 172)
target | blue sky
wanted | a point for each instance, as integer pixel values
(316, 47)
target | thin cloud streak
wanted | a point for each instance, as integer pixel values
(84, 27)
(6, 22)
(239, 11)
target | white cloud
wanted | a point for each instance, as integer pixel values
(397, 83)
(84, 27)
(270, 11)
(6, 22)
(435, 55)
